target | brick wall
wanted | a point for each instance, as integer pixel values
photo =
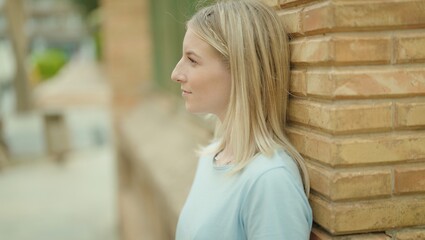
(357, 113)
(127, 49)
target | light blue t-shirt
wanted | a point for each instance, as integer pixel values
(265, 201)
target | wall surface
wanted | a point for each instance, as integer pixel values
(358, 113)
(127, 49)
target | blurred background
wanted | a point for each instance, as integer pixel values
(76, 76)
(57, 162)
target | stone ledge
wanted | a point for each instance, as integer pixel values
(159, 142)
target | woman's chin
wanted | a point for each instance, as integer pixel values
(194, 110)
(191, 109)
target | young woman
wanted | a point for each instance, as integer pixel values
(250, 183)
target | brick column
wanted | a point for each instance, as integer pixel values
(357, 114)
(127, 49)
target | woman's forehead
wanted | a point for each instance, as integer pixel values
(193, 44)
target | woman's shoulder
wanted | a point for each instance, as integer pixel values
(279, 161)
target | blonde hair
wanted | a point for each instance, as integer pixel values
(252, 41)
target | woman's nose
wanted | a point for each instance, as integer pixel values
(177, 75)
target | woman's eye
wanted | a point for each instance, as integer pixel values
(191, 60)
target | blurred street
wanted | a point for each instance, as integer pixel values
(74, 200)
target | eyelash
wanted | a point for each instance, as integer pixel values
(191, 60)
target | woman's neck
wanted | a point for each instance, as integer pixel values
(224, 157)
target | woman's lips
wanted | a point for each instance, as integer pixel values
(185, 92)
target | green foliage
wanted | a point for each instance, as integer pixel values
(98, 44)
(87, 5)
(49, 62)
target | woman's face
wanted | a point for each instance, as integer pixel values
(203, 76)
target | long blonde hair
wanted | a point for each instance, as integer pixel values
(252, 41)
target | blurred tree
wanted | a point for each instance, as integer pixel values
(87, 5)
(16, 19)
(48, 63)
(90, 9)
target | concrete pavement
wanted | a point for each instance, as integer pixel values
(75, 200)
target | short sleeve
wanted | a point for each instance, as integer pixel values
(276, 207)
